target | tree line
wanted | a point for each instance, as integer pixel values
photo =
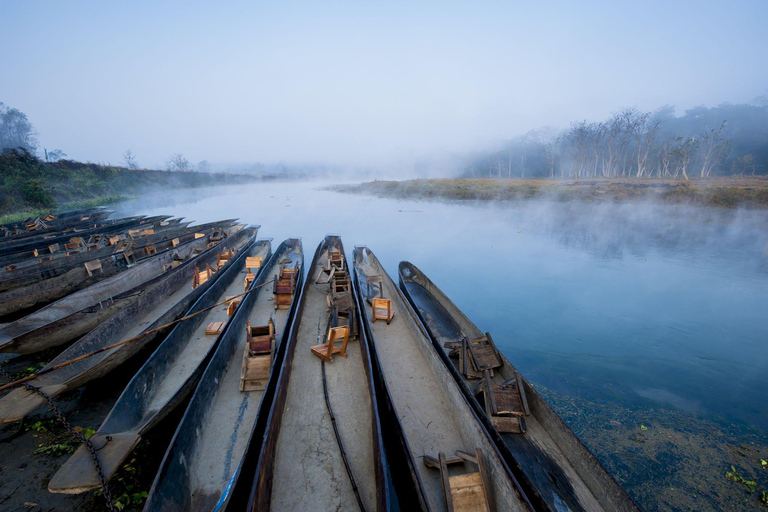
(704, 142)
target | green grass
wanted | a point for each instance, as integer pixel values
(73, 205)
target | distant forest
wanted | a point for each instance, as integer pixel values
(727, 140)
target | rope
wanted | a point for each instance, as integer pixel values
(119, 343)
(338, 440)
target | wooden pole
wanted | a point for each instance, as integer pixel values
(119, 343)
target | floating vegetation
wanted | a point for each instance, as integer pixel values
(733, 475)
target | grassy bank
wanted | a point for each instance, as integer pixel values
(29, 185)
(724, 192)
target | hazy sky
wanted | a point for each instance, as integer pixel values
(359, 82)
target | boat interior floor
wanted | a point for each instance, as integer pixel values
(309, 470)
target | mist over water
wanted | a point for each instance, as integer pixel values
(637, 304)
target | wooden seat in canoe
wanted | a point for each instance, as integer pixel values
(92, 266)
(232, 303)
(463, 492)
(326, 351)
(150, 249)
(214, 327)
(222, 258)
(373, 282)
(336, 259)
(382, 310)
(175, 242)
(53, 248)
(252, 266)
(283, 287)
(485, 356)
(257, 356)
(505, 404)
(129, 257)
(201, 276)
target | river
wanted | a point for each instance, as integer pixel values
(643, 306)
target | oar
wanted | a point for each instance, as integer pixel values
(108, 347)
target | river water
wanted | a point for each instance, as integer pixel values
(640, 305)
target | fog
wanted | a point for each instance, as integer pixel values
(391, 87)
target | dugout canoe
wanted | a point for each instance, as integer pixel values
(309, 461)
(428, 412)
(38, 226)
(14, 252)
(56, 217)
(161, 303)
(35, 288)
(76, 314)
(547, 456)
(162, 383)
(207, 455)
(71, 258)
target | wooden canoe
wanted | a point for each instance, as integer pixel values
(76, 314)
(160, 303)
(35, 289)
(302, 464)
(12, 252)
(207, 455)
(164, 381)
(547, 456)
(431, 414)
(67, 216)
(70, 258)
(53, 226)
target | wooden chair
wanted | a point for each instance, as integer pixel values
(175, 242)
(284, 285)
(325, 351)
(505, 404)
(232, 303)
(463, 492)
(485, 356)
(150, 249)
(252, 266)
(258, 356)
(222, 258)
(336, 259)
(53, 248)
(92, 266)
(371, 282)
(201, 276)
(382, 310)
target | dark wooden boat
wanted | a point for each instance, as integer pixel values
(39, 288)
(164, 381)
(545, 454)
(207, 455)
(436, 426)
(162, 302)
(14, 252)
(38, 226)
(312, 459)
(76, 314)
(67, 216)
(70, 258)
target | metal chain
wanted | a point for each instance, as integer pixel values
(78, 436)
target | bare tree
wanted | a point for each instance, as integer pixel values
(684, 152)
(129, 160)
(177, 162)
(712, 146)
(203, 166)
(15, 130)
(54, 155)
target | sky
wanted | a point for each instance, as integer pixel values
(359, 83)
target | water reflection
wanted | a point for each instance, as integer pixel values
(629, 303)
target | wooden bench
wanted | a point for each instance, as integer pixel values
(505, 404)
(382, 310)
(258, 356)
(53, 248)
(252, 266)
(214, 327)
(485, 356)
(175, 242)
(222, 258)
(201, 276)
(284, 286)
(150, 249)
(92, 266)
(371, 282)
(463, 492)
(326, 351)
(232, 303)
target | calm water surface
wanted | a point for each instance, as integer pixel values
(637, 304)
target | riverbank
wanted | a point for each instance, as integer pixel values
(29, 185)
(722, 192)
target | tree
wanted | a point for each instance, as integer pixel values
(203, 166)
(54, 155)
(713, 146)
(15, 130)
(684, 152)
(129, 160)
(177, 162)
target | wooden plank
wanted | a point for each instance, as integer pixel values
(521, 389)
(446, 483)
(484, 477)
(467, 493)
